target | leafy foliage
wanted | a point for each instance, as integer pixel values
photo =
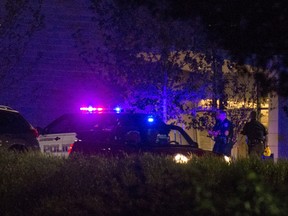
(35, 184)
(161, 63)
(147, 52)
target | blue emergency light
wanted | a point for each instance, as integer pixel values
(117, 109)
(150, 119)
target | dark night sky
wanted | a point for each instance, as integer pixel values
(244, 27)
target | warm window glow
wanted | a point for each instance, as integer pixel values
(206, 104)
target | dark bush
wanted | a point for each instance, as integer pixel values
(36, 184)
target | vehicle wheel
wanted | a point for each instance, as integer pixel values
(18, 149)
(133, 137)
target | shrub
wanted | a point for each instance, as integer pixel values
(36, 184)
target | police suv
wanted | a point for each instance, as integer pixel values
(99, 131)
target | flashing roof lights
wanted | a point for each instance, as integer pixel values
(91, 109)
(99, 109)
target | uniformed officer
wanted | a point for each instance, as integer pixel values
(256, 135)
(223, 134)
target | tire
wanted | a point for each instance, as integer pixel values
(18, 149)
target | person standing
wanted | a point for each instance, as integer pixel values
(223, 134)
(256, 134)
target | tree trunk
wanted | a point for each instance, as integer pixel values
(165, 96)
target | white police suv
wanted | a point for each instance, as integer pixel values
(58, 137)
(113, 126)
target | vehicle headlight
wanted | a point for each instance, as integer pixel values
(227, 159)
(180, 158)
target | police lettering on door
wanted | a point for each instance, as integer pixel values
(56, 148)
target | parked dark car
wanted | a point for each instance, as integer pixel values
(16, 133)
(117, 133)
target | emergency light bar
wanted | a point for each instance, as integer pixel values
(91, 109)
(99, 109)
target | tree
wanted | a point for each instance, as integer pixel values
(158, 63)
(148, 53)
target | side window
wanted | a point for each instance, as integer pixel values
(96, 123)
(12, 123)
(107, 123)
(65, 125)
(153, 136)
(177, 138)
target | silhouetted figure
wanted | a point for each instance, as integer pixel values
(256, 135)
